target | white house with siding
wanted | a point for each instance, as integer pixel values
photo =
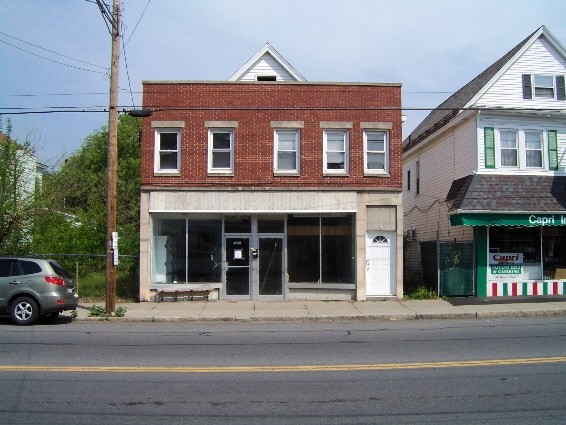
(488, 165)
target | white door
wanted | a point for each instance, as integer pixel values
(380, 264)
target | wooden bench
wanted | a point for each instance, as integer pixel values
(190, 288)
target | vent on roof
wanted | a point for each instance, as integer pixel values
(266, 77)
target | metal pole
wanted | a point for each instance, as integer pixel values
(111, 164)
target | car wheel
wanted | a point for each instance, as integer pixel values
(24, 311)
(49, 317)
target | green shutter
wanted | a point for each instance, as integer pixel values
(489, 147)
(552, 149)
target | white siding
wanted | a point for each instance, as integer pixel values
(540, 58)
(449, 158)
(267, 65)
(523, 123)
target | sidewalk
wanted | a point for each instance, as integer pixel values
(227, 311)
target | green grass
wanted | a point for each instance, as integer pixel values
(93, 285)
(422, 293)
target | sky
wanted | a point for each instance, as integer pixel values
(55, 54)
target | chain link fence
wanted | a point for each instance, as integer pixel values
(89, 274)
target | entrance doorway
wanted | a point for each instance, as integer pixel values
(380, 270)
(254, 263)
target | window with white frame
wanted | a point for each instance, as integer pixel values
(287, 151)
(220, 150)
(336, 151)
(533, 149)
(521, 149)
(167, 146)
(544, 85)
(509, 148)
(376, 152)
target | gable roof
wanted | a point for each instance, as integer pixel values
(466, 96)
(255, 59)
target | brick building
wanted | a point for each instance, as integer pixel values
(267, 186)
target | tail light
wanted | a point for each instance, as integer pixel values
(55, 280)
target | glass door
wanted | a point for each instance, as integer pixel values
(238, 266)
(270, 267)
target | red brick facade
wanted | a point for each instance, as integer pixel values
(254, 106)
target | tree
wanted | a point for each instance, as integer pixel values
(77, 219)
(20, 192)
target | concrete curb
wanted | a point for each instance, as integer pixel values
(360, 318)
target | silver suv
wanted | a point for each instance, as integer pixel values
(32, 289)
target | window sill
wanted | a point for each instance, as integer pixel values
(220, 173)
(287, 173)
(336, 174)
(167, 173)
(376, 174)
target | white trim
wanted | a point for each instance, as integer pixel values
(346, 139)
(157, 150)
(267, 48)
(371, 171)
(296, 170)
(221, 171)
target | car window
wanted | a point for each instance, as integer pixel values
(59, 270)
(30, 267)
(9, 268)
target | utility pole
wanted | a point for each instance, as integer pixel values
(112, 164)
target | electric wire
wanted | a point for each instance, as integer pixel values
(50, 51)
(52, 60)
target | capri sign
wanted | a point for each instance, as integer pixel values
(495, 219)
(506, 265)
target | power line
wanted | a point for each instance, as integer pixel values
(137, 23)
(51, 60)
(65, 94)
(50, 51)
(123, 108)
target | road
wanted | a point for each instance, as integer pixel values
(496, 371)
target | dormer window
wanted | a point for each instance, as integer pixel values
(266, 77)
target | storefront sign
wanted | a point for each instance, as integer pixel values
(506, 265)
(506, 270)
(494, 219)
(504, 258)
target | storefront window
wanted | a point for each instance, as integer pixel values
(187, 250)
(237, 224)
(303, 249)
(337, 250)
(554, 252)
(320, 249)
(204, 250)
(518, 240)
(170, 250)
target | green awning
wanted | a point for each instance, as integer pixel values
(505, 219)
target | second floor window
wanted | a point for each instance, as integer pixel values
(509, 148)
(376, 155)
(221, 150)
(336, 151)
(287, 152)
(167, 143)
(521, 149)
